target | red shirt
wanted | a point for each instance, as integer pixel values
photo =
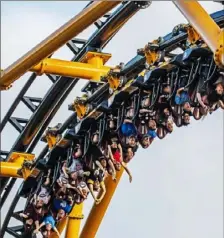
(117, 156)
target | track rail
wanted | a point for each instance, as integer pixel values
(29, 136)
(50, 104)
(62, 86)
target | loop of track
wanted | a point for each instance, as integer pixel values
(47, 111)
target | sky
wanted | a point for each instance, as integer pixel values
(177, 188)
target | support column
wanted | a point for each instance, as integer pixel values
(98, 211)
(56, 40)
(206, 27)
(92, 69)
(74, 222)
(61, 226)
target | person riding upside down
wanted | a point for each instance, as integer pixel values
(48, 224)
(33, 214)
(128, 129)
(95, 182)
(209, 99)
(115, 153)
(44, 193)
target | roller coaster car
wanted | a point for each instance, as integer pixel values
(192, 53)
(87, 127)
(72, 136)
(103, 107)
(90, 87)
(151, 82)
(154, 76)
(83, 126)
(194, 57)
(28, 186)
(58, 149)
(178, 61)
(54, 130)
(118, 98)
(133, 67)
(138, 82)
(51, 131)
(81, 106)
(54, 155)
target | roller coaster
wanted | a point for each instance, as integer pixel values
(122, 108)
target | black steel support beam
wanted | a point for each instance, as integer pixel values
(29, 137)
(55, 96)
(17, 101)
(10, 212)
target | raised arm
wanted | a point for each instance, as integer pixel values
(113, 169)
(69, 186)
(81, 193)
(37, 224)
(91, 191)
(110, 153)
(64, 168)
(127, 121)
(200, 101)
(103, 189)
(121, 151)
(78, 153)
(100, 165)
(38, 228)
(221, 104)
(179, 91)
(23, 215)
(56, 231)
(127, 170)
(47, 181)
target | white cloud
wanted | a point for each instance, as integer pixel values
(177, 190)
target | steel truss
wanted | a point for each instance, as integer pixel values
(135, 66)
(43, 113)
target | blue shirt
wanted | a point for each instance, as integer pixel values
(128, 129)
(49, 220)
(152, 134)
(182, 98)
(62, 204)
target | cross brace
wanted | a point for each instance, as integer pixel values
(91, 68)
(202, 22)
(19, 165)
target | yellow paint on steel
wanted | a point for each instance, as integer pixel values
(10, 169)
(219, 54)
(60, 227)
(15, 155)
(14, 167)
(56, 40)
(74, 222)
(193, 35)
(81, 109)
(202, 22)
(114, 82)
(98, 211)
(51, 141)
(72, 69)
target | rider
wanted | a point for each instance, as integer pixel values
(49, 224)
(44, 193)
(115, 152)
(209, 100)
(95, 182)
